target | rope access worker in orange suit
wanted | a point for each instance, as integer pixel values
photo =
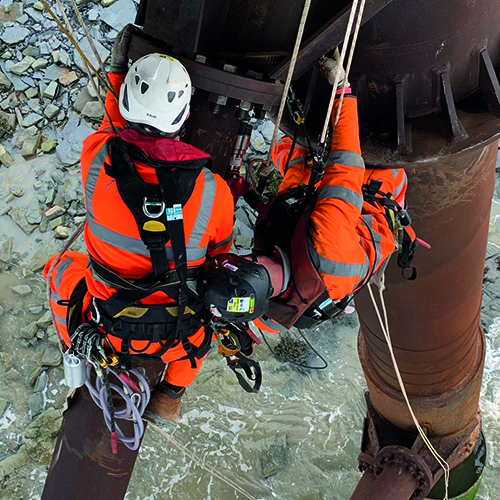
(152, 206)
(316, 243)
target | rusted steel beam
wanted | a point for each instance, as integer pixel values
(216, 80)
(83, 466)
(325, 39)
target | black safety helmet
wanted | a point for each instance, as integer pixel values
(234, 288)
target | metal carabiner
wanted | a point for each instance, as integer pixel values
(158, 208)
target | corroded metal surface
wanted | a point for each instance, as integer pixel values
(83, 466)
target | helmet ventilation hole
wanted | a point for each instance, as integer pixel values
(181, 93)
(125, 98)
(137, 79)
(170, 96)
(144, 87)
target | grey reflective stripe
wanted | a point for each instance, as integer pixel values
(91, 180)
(395, 172)
(133, 245)
(341, 193)
(204, 212)
(220, 243)
(398, 190)
(347, 158)
(59, 319)
(340, 269)
(61, 268)
(270, 323)
(297, 160)
(368, 220)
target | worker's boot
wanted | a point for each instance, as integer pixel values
(166, 401)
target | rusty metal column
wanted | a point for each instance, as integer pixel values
(434, 321)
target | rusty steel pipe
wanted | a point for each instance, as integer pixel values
(364, 486)
(434, 320)
(83, 466)
(394, 483)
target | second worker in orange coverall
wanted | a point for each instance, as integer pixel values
(345, 232)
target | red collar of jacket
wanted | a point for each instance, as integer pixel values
(163, 148)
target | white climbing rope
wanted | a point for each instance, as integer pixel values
(341, 65)
(201, 462)
(289, 76)
(384, 325)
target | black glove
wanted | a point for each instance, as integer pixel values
(119, 55)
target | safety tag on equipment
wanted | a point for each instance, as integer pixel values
(230, 267)
(174, 213)
(241, 305)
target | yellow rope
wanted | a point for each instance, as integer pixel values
(385, 330)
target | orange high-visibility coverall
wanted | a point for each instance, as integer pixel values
(348, 238)
(112, 236)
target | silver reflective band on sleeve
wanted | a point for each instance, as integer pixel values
(59, 319)
(395, 173)
(341, 193)
(297, 161)
(346, 158)
(398, 190)
(91, 180)
(340, 269)
(204, 212)
(213, 245)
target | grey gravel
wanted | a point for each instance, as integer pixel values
(51, 357)
(21, 290)
(14, 34)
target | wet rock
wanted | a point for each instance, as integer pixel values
(12, 375)
(14, 34)
(31, 119)
(5, 158)
(7, 122)
(39, 437)
(34, 217)
(51, 111)
(35, 403)
(70, 143)
(49, 146)
(4, 405)
(107, 3)
(39, 64)
(82, 99)
(10, 464)
(22, 66)
(51, 91)
(11, 12)
(56, 222)
(93, 111)
(30, 145)
(6, 251)
(31, 93)
(24, 134)
(275, 458)
(33, 376)
(17, 191)
(119, 14)
(36, 310)
(46, 319)
(21, 290)
(18, 215)
(51, 357)
(86, 49)
(5, 83)
(54, 212)
(40, 258)
(41, 382)
(62, 233)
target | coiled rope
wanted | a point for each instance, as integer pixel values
(384, 325)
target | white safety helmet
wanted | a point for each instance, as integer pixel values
(156, 92)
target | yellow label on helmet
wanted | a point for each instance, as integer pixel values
(241, 305)
(170, 58)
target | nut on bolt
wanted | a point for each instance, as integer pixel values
(201, 59)
(229, 68)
